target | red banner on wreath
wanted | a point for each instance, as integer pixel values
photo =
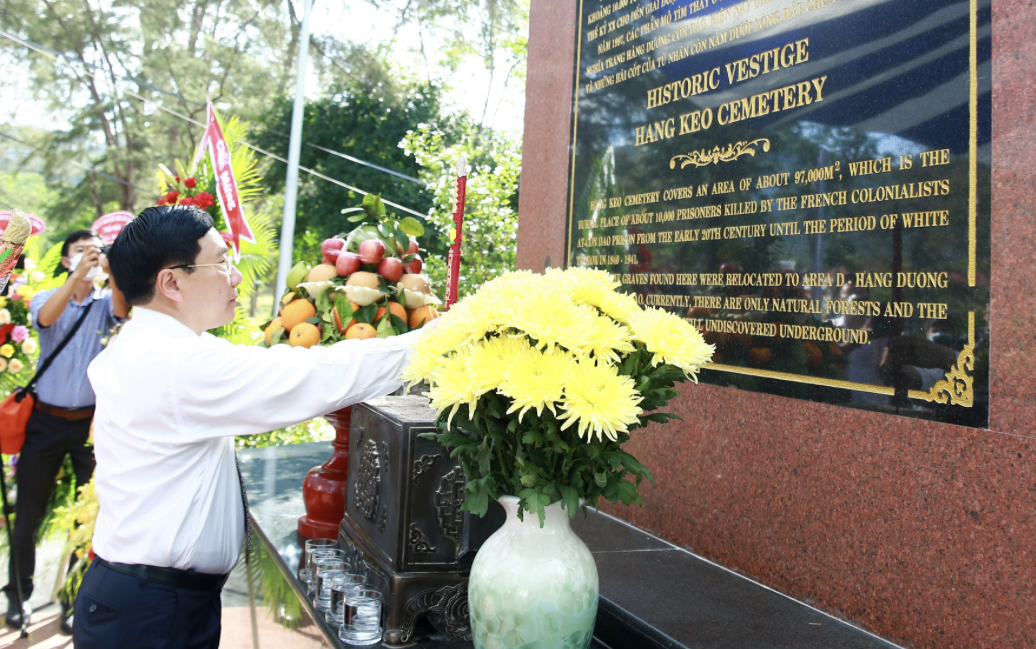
(226, 184)
(36, 222)
(110, 225)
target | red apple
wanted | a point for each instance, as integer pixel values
(372, 251)
(413, 247)
(414, 265)
(391, 269)
(331, 248)
(347, 263)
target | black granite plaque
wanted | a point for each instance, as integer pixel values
(807, 181)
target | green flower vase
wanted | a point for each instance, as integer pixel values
(533, 587)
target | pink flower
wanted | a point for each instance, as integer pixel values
(19, 333)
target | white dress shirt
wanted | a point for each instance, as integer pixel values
(169, 403)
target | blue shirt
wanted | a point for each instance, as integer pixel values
(65, 383)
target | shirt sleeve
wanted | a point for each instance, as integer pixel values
(231, 390)
(36, 305)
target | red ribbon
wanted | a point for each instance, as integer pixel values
(453, 262)
(226, 185)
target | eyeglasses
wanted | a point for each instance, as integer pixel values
(225, 267)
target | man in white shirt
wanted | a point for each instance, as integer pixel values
(170, 399)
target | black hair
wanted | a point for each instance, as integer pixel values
(78, 235)
(160, 237)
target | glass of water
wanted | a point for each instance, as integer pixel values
(327, 568)
(341, 585)
(318, 544)
(361, 618)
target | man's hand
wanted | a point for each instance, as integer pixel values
(91, 258)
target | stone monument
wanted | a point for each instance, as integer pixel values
(832, 191)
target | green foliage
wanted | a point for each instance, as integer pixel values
(315, 430)
(361, 119)
(266, 582)
(491, 221)
(537, 461)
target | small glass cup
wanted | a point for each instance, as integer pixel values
(341, 585)
(305, 577)
(361, 618)
(326, 569)
(322, 597)
(334, 553)
(315, 544)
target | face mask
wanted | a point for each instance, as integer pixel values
(90, 274)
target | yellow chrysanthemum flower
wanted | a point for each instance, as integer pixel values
(508, 282)
(609, 339)
(534, 379)
(618, 306)
(7, 350)
(549, 316)
(671, 339)
(432, 345)
(487, 361)
(579, 279)
(472, 319)
(600, 400)
(3, 302)
(450, 386)
(596, 288)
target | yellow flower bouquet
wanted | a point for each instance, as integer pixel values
(538, 381)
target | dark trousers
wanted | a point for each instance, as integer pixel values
(117, 611)
(47, 440)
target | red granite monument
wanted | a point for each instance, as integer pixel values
(876, 460)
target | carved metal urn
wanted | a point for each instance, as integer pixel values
(403, 522)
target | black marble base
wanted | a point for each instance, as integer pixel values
(654, 595)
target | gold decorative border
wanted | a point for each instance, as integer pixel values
(575, 130)
(972, 142)
(704, 157)
(958, 386)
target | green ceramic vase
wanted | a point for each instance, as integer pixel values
(533, 587)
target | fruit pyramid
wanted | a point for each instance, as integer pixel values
(368, 284)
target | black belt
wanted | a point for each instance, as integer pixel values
(169, 576)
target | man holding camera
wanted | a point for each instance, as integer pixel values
(60, 422)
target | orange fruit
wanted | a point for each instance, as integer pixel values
(338, 321)
(274, 325)
(304, 334)
(397, 310)
(759, 356)
(295, 312)
(360, 330)
(421, 315)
